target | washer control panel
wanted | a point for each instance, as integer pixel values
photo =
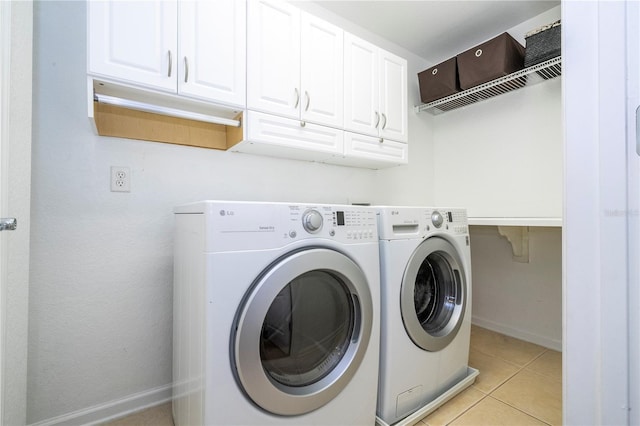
(416, 222)
(436, 219)
(237, 225)
(341, 223)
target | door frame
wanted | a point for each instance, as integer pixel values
(16, 70)
(596, 256)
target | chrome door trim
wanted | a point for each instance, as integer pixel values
(265, 392)
(423, 339)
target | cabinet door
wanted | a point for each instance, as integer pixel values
(134, 41)
(283, 137)
(273, 58)
(368, 151)
(361, 86)
(212, 45)
(321, 70)
(393, 97)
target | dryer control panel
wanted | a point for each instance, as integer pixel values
(234, 225)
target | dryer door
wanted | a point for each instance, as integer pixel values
(302, 331)
(433, 294)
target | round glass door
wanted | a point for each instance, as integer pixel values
(302, 331)
(433, 294)
(307, 329)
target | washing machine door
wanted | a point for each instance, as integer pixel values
(433, 294)
(302, 331)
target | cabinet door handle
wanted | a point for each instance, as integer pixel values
(385, 121)
(377, 119)
(308, 100)
(170, 64)
(186, 69)
(297, 98)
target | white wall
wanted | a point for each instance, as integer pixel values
(503, 157)
(523, 300)
(510, 148)
(101, 262)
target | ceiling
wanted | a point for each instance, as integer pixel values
(436, 30)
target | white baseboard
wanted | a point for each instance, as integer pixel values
(113, 409)
(547, 342)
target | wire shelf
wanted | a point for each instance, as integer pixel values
(526, 77)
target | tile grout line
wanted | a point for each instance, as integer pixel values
(520, 410)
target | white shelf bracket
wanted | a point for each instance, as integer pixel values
(518, 236)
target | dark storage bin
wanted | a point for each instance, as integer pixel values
(542, 44)
(492, 59)
(439, 81)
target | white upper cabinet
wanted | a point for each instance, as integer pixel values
(321, 72)
(212, 46)
(295, 64)
(393, 97)
(194, 48)
(134, 41)
(375, 89)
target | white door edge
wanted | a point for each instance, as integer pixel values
(16, 41)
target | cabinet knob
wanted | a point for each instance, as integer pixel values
(385, 121)
(377, 119)
(170, 64)
(186, 69)
(308, 100)
(303, 123)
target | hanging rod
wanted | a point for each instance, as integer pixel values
(156, 109)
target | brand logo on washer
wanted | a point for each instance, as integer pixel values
(394, 212)
(226, 212)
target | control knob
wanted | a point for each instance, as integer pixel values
(312, 221)
(437, 219)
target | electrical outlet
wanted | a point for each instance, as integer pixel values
(120, 179)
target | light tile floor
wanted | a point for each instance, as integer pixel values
(519, 384)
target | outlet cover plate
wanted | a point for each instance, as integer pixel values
(120, 179)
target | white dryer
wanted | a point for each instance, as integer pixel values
(425, 278)
(276, 314)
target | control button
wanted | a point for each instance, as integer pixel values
(332, 232)
(312, 221)
(437, 219)
(293, 234)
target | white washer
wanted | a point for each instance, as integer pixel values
(276, 314)
(426, 309)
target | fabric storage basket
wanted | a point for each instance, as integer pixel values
(542, 44)
(500, 56)
(439, 81)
